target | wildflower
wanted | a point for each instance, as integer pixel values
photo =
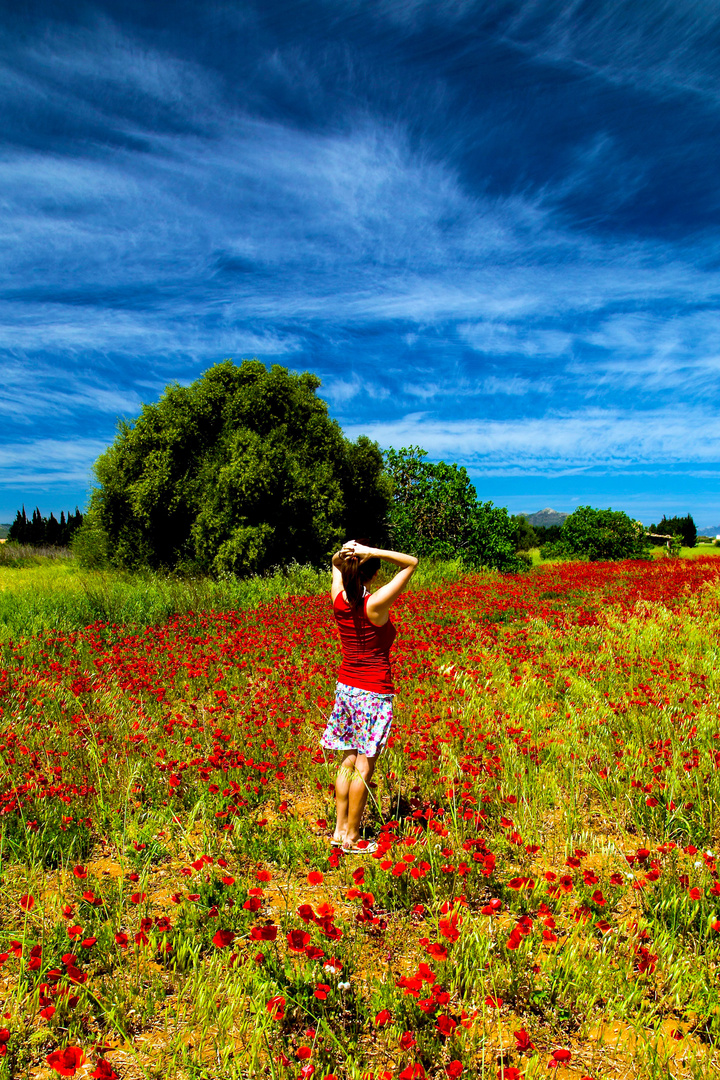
(223, 938)
(445, 1024)
(66, 1062)
(492, 907)
(298, 940)
(276, 1007)
(104, 1071)
(523, 1040)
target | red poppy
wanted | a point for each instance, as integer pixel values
(223, 938)
(104, 1071)
(66, 1062)
(523, 1040)
(276, 1007)
(445, 1024)
(298, 940)
(492, 907)
(412, 1072)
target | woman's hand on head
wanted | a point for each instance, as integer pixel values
(354, 549)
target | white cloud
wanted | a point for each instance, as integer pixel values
(55, 461)
(612, 439)
(501, 339)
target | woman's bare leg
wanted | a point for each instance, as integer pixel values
(343, 780)
(358, 795)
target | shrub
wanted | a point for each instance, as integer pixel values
(599, 535)
(435, 514)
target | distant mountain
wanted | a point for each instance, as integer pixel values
(547, 517)
(711, 530)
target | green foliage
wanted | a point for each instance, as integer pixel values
(524, 535)
(435, 514)
(547, 534)
(241, 471)
(675, 546)
(91, 545)
(599, 535)
(678, 526)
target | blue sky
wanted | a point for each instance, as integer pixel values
(492, 228)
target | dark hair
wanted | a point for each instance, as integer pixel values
(355, 574)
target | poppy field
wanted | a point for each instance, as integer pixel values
(544, 899)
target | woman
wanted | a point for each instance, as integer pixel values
(362, 714)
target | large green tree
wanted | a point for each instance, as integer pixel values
(599, 535)
(435, 513)
(238, 472)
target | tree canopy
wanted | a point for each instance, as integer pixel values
(435, 514)
(599, 535)
(240, 471)
(678, 526)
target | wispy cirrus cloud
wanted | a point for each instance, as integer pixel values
(584, 439)
(42, 462)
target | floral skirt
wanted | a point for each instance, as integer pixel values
(360, 720)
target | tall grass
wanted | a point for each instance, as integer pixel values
(22, 555)
(39, 592)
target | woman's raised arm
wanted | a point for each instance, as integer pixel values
(379, 603)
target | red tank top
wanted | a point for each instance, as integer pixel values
(365, 648)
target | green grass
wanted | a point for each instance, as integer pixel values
(50, 593)
(48, 590)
